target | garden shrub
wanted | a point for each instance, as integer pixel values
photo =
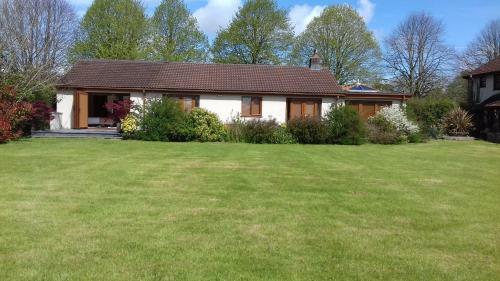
(397, 117)
(308, 130)
(259, 131)
(457, 122)
(382, 131)
(14, 115)
(129, 126)
(235, 130)
(345, 126)
(119, 109)
(428, 113)
(282, 135)
(41, 114)
(206, 126)
(391, 126)
(163, 120)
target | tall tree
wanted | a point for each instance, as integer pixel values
(346, 46)
(260, 33)
(35, 35)
(175, 34)
(484, 48)
(111, 29)
(416, 54)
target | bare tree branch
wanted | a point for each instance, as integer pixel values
(484, 48)
(35, 37)
(416, 54)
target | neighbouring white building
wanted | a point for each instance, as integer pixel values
(229, 90)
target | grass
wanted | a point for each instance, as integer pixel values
(126, 210)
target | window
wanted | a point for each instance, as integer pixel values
(482, 82)
(301, 108)
(251, 106)
(187, 103)
(496, 83)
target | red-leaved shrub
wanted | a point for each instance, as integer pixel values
(41, 114)
(119, 109)
(13, 114)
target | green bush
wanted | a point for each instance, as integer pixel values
(206, 126)
(259, 131)
(281, 135)
(382, 131)
(345, 126)
(428, 113)
(163, 120)
(308, 130)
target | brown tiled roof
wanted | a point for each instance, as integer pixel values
(492, 66)
(172, 76)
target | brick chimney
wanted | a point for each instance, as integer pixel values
(315, 61)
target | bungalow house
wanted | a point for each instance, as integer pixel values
(229, 90)
(484, 92)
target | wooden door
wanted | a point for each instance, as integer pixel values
(81, 110)
(295, 109)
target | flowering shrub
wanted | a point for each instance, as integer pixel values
(129, 125)
(206, 125)
(14, 115)
(457, 123)
(41, 114)
(382, 131)
(119, 109)
(397, 117)
(390, 126)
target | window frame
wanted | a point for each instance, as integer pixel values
(496, 81)
(482, 81)
(252, 98)
(318, 103)
(181, 100)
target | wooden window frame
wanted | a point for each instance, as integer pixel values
(181, 100)
(482, 82)
(250, 107)
(317, 102)
(496, 81)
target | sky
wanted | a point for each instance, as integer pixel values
(463, 19)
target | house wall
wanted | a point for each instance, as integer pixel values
(63, 117)
(486, 92)
(225, 106)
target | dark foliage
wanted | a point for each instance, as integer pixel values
(41, 114)
(308, 130)
(163, 120)
(345, 126)
(428, 113)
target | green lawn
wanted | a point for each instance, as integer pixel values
(126, 210)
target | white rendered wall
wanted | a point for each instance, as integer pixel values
(326, 104)
(225, 106)
(274, 107)
(64, 110)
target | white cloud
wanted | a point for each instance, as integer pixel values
(216, 14)
(366, 10)
(301, 15)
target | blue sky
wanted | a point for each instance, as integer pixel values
(463, 19)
